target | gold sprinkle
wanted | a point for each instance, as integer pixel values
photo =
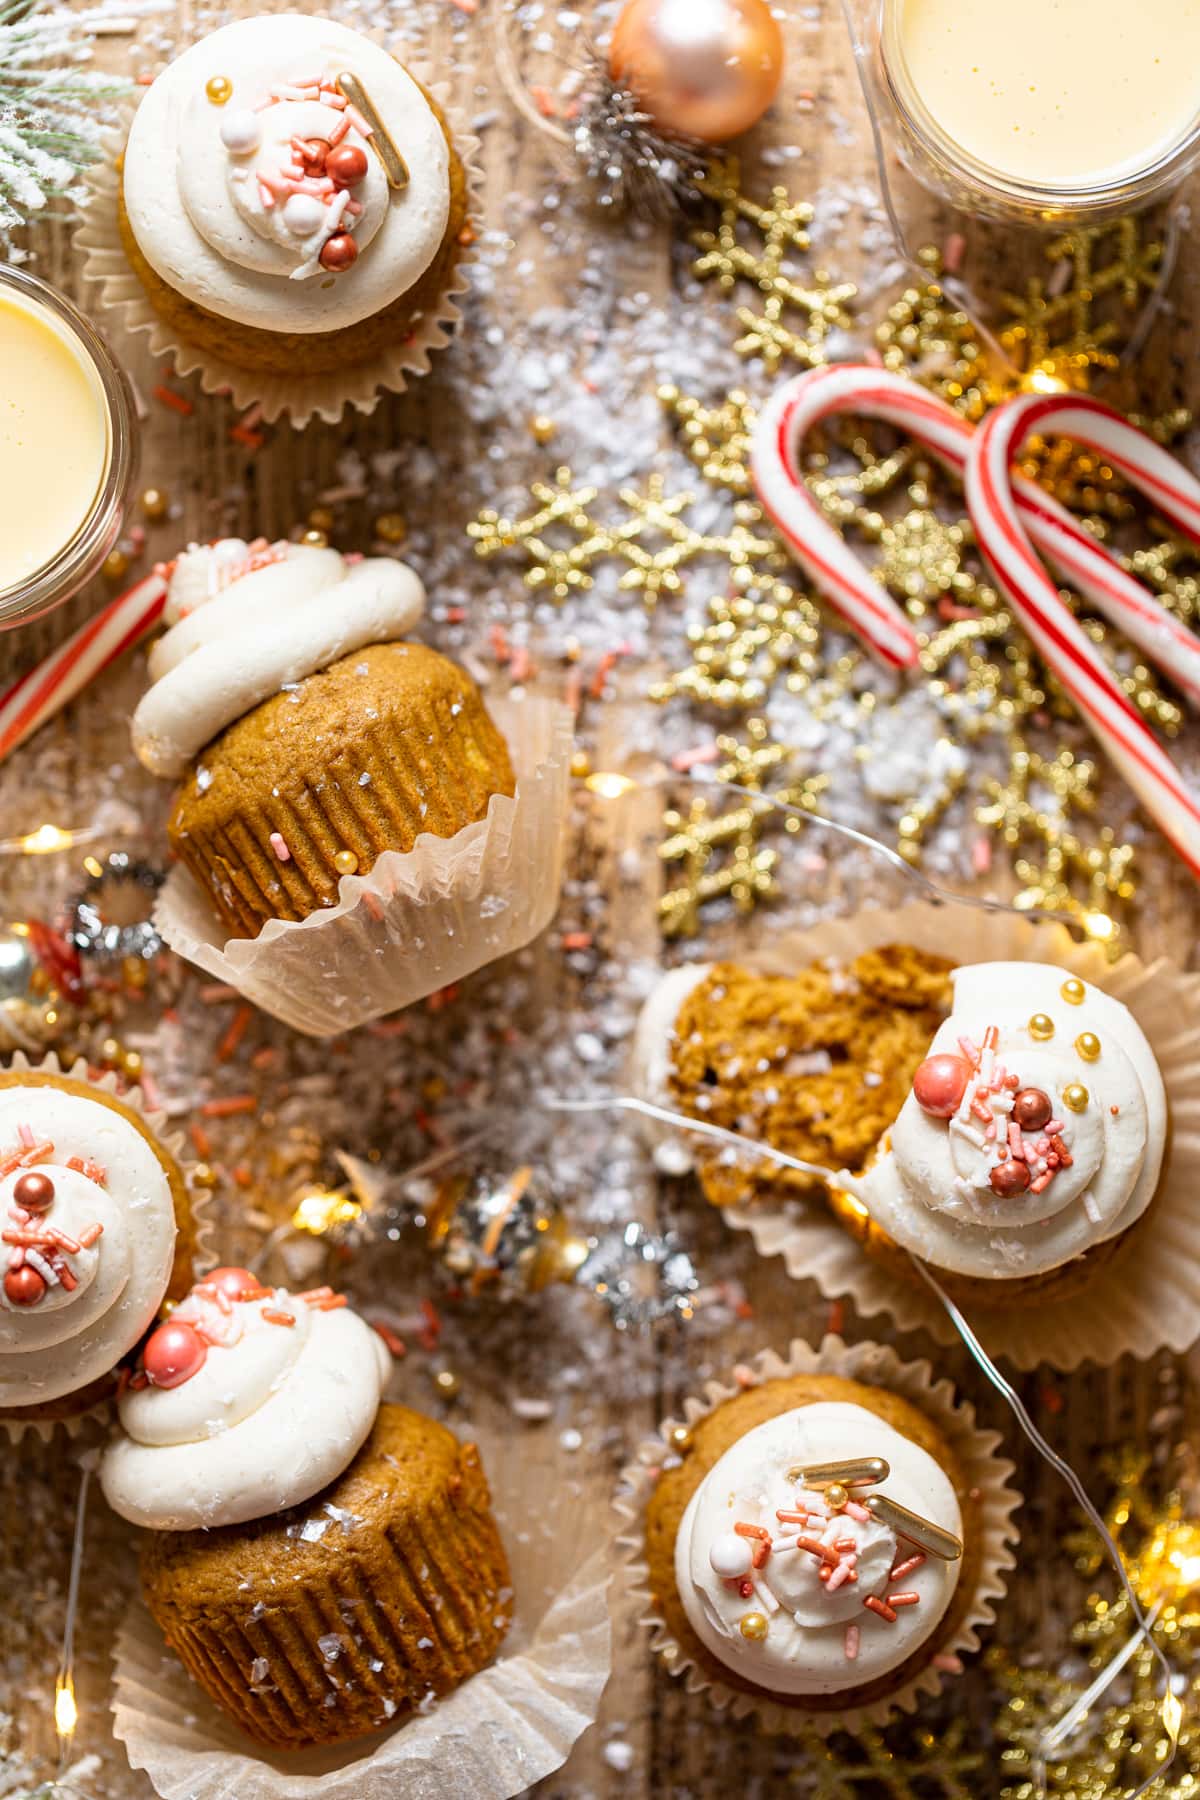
(395, 167)
(218, 88)
(542, 428)
(753, 1625)
(1041, 1027)
(392, 527)
(1073, 992)
(581, 764)
(447, 1383)
(1088, 1046)
(116, 566)
(345, 862)
(314, 540)
(680, 1439)
(321, 519)
(154, 503)
(1075, 1097)
(836, 1496)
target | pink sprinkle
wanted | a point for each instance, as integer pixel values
(1054, 1127)
(969, 1050)
(331, 97)
(901, 1569)
(340, 129)
(354, 207)
(990, 1131)
(950, 1665)
(265, 195)
(1042, 1146)
(690, 759)
(903, 1599)
(851, 1643)
(839, 1576)
(854, 1511)
(25, 1133)
(1042, 1182)
(359, 123)
(1016, 1142)
(952, 253)
(280, 847)
(981, 855)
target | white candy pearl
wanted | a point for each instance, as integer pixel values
(730, 1556)
(240, 131)
(303, 214)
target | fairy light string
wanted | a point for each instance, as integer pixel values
(1171, 1711)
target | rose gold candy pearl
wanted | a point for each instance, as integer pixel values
(1032, 1109)
(34, 1191)
(1009, 1178)
(23, 1286)
(346, 164)
(338, 252)
(173, 1354)
(940, 1083)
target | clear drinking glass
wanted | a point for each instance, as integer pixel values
(83, 553)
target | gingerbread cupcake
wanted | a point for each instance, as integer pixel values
(97, 1232)
(819, 1546)
(291, 208)
(309, 738)
(322, 1566)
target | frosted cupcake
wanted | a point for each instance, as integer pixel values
(821, 1544)
(291, 201)
(95, 1231)
(322, 1566)
(309, 739)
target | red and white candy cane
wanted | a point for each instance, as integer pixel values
(1004, 540)
(799, 405)
(45, 690)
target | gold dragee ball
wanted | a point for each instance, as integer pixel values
(680, 1439)
(836, 1496)
(1088, 1046)
(1075, 1097)
(1073, 992)
(753, 1625)
(320, 519)
(705, 69)
(392, 527)
(1041, 1027)
(314, 540)
(155, 503)
(116, 566)
(447, 1383)
(542, 428)
(218, 88)
(345, 862)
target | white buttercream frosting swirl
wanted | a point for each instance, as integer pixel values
(247, 620)
(275, 1412)
(820, 1636)
(227, 210)
(95, 1300)
(932, 1190)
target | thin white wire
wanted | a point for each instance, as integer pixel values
(1062, 1468)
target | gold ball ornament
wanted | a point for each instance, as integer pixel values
(1041, 1028)
(1076, 1097)
(753, 1625)
(836, 1497)
(1088, 1046)
(704, 69)
(1073, 992)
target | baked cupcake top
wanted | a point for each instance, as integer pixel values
(788, 1573)
(1035, 1128)
(247, 620)
(246, 1401)
(87, 1229)
(287, 173)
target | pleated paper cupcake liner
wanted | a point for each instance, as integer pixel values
(301, 397)
(91, 1422)
(988, 1474)
(1145, 1295)
(419, 920)
(502, 1730)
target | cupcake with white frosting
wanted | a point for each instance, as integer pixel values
(95, 1231)
(321, 1565)
(310, 738)
(292, 203)
(825, 1540)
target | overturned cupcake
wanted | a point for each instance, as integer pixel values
(821, 1544)
(95, 1231)
(321, 1565)
(292, 206)
(311, 739)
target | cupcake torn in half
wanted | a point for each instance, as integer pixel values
(309, 738)
(322, 1565)
(1005, 1122)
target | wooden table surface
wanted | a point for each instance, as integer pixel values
(558, 287)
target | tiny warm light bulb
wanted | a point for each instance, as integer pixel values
(1098, 925)
(318, 1213)
(1172, 1715)
(66, 1713)
(1043, 381)
(609, 785)
(46, 839)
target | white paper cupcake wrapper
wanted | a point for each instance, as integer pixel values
(92, 1422)
(420, 920)
(1146, 1296)
(504, 1729)
(301, 397)
(875, 1365)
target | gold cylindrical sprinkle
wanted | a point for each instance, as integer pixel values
(844, 1474)
(922, 1532)
(394, 165)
